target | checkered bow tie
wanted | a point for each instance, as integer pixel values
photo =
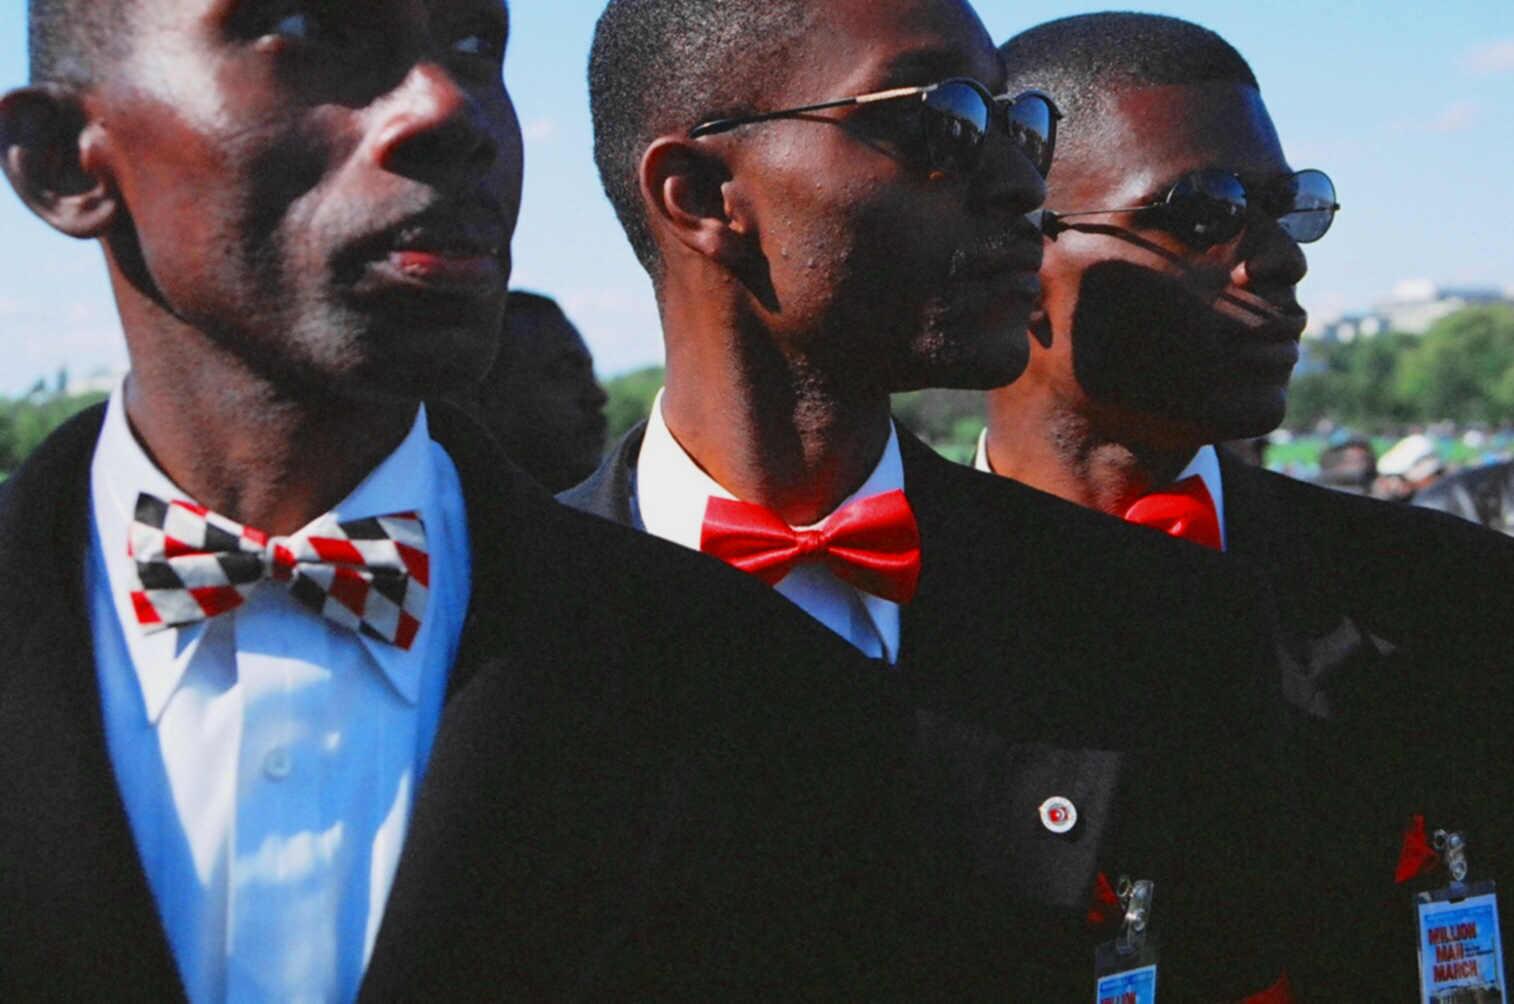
(368, 575)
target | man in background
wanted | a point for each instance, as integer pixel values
(540, 399)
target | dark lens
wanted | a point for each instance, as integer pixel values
(1310, 207)
(956, 119)
(1206, 208)
(1032, 125)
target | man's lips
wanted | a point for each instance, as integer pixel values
(1279, 319)
(451, 254)
(1012, 258)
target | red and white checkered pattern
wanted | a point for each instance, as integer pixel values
(369, 575)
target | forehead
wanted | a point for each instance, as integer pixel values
(200, 15)
(860, 45)
(1147, 137)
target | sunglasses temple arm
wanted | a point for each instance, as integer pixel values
(1100, 212)
(1051, 222)
(725, 125)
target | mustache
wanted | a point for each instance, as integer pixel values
(1018, 246)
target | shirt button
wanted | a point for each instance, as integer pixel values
(277, 763)
(1058, 814)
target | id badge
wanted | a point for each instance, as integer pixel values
(1460, 947)
(1125, 969)
(1129, 986)
(1460, 950)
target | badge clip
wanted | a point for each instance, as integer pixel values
(1126, 968)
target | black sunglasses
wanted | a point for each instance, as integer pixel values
(956, 115)
(1209, 207)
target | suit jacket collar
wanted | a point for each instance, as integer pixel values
(607, 492)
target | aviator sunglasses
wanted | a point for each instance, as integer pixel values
(955, 114)
(1209, 207)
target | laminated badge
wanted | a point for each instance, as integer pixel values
(1460, 951)
(1125, 969)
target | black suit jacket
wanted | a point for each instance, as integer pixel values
(626, 798)
(1051, 651)
(1397, 670)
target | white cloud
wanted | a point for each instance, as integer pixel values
(1456, 117)
(539, 130)
(1492, 57)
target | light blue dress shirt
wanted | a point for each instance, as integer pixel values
(268, 759)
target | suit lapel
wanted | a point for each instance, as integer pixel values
(607, 492)
(71, 865)
(494, 832)
(1324, 653)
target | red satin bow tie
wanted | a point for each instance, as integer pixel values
(368, 575)
(873, 543)
(1181, 510)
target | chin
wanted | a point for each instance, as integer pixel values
(965, 360)
(1246, 414)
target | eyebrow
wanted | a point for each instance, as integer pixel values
(922, 66)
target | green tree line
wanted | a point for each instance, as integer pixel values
(27, 420)
(1461, 370)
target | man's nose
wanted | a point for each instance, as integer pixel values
(431, 125)
(1269, 257)
(1007, 179)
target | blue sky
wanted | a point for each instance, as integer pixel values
(1409, 106)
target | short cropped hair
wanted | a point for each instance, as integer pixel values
(71, 40)
(1078, 60)
(663, 66)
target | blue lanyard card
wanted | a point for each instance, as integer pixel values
(1460, 951)
(1133, 986)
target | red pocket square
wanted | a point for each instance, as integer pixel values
(1417, 856)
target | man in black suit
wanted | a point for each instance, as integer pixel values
(1168, 323)
(481, 746)
(824, 223)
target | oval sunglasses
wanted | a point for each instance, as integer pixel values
(1209, 207)
(956, 114)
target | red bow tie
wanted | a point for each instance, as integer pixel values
(873, 543)
(368, 575)
(1181, 510)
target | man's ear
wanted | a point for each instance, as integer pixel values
(45, 146)
(685, 187)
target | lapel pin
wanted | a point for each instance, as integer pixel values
(1058, 814)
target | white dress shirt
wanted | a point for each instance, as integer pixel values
(268, 759)
(1205, 464)
(669, 495)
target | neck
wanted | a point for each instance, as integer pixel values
(773, 428)
(239, 444)
(1074, 454)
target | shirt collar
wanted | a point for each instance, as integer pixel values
(1205, 464)
(672, 490)
(980, 459)
(121, 470)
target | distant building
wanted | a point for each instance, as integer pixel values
(1413, 306)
